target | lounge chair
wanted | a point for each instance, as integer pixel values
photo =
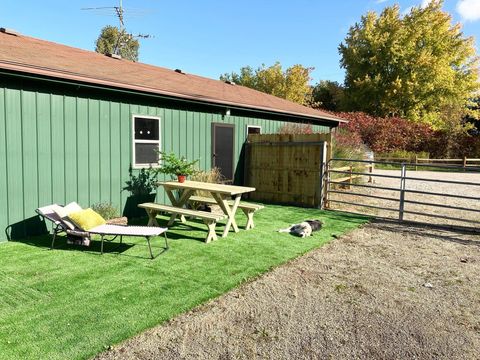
(59, 226)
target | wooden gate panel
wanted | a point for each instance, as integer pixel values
(286, 168)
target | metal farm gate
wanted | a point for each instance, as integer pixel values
(443, 195)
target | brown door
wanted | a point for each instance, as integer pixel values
(222, 148)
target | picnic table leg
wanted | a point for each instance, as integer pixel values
(230, 212)
(212, 235)
(250, 223)
(178, 203)
(152, 218)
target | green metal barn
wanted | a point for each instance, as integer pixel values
(72, 122)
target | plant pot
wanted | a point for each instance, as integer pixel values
(182, 178)
(131, 209)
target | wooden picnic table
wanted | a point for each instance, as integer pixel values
(220, 192)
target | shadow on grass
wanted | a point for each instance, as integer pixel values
(109, 247)
(193, 229)
(45, 241)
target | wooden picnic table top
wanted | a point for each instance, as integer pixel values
(217, 188)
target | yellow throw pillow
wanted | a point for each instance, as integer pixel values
(86, 219)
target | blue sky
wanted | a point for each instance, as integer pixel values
(211, 37)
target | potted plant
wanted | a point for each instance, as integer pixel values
(141, 186)
(174, 166)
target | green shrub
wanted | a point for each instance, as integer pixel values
(173, 165)
(106, 210)
(211, 176)
(142, 184)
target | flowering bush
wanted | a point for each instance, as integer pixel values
(387, 134)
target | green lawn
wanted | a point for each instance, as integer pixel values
(71, 303)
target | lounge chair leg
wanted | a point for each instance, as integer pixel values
(121, 238)
(166, 243)
(101, 246)
(55, 231)
(53, 238)
(149, 247)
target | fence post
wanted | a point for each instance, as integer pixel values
(350, 180)
(327, 184)
(323, 176)
(416, 162)
(464, 163)
(402, 192)
(370, 170)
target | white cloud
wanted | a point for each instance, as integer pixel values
(469, 10)
(425, 3)
(380, 1)
(407, 10)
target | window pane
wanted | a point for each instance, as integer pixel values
(254, 130)
(146, 153)
(146, 129)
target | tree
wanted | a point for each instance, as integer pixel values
(328, 95)
(291, 84)
(416, 65)
(115, 41)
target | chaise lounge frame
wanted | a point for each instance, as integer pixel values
(58, 227)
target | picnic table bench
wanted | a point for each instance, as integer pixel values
(248, 208)
(210, 219)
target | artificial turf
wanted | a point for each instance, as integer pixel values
(71, 302)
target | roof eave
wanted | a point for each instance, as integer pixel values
(143, 89)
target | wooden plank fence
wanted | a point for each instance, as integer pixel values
(464, 162)
(349, 170)
(287, 168)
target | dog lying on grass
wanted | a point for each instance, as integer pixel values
(304, 229)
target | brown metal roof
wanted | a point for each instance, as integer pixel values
(40, 57)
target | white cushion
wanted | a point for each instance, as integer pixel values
(63, 213)
(67, 209)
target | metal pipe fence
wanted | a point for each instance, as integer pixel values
(399, 203)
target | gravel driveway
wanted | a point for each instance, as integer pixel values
(384, 291)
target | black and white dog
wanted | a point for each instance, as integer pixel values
(304, 229)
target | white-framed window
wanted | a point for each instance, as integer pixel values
(145, 140)
(254, 129)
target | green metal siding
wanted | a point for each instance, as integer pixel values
(57, 148)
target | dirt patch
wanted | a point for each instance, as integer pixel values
(384, 291)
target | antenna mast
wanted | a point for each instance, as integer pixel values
(120, 14)
(119, 11)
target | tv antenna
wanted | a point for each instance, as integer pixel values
(120, 12)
